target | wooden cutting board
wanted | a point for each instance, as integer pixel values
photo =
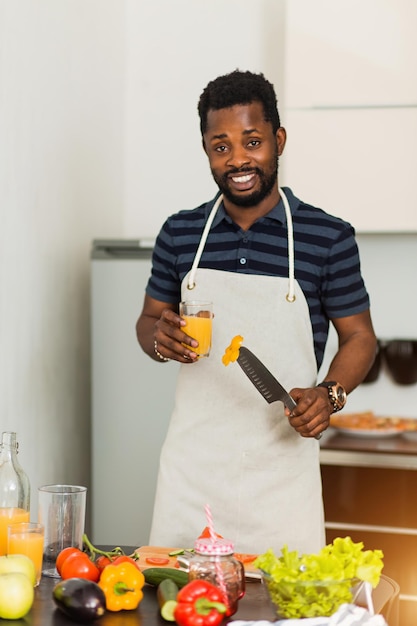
(146, 553)
(155, 552)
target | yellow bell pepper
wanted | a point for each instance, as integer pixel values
(122, 585)
(232, 351)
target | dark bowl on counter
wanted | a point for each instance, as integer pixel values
(400, 356)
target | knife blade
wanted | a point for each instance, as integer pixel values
(267, 385)
(260, 376)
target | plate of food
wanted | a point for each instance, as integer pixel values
(369, 425)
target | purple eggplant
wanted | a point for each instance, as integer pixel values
(80, 599)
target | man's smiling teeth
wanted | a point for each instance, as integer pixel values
(242, 179)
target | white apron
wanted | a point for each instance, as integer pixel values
(225, 445)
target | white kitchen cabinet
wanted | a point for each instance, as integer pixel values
(359, 164)
(350, 53)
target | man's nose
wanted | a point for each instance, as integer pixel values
(238, 157)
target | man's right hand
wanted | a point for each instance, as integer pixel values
(159, 332)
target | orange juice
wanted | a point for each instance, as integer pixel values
(28, 541)
(10, 515)
(199, 328)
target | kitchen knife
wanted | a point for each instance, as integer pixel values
(262, 379)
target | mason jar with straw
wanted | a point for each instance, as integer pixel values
(214, 562)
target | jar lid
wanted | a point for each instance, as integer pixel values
(217, 547)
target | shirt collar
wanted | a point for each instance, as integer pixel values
(277, 213)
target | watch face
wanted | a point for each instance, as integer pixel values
(341, 396)
(337, 394)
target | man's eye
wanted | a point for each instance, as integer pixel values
(220, 148)
(254, 143)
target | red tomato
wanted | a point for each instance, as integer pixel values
(125, 559)
(102, 561)
(156, 560)
(80, 566)
(63, 555)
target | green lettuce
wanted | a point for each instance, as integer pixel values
(313, 585)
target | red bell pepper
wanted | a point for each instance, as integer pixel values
(199, 603)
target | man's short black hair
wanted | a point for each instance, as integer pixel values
(239, 88)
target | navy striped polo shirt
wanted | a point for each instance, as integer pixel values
(326, 257)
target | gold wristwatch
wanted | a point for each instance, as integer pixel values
(337, 394)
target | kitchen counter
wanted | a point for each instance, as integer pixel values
(255, 605)
(398, 452)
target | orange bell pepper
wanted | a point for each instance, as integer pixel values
(232, 351)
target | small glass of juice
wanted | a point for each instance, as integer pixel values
(27, 538)
(199, 318)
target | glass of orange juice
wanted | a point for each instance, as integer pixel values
(27, 538)
(199, 318)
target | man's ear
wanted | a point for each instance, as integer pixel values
(281, 136)
(204, 145)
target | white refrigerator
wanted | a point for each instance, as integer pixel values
(132, 396)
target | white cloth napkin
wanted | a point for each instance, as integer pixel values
(346, 615)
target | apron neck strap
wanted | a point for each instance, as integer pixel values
(291, 275)
(191, 276)
(291, 278)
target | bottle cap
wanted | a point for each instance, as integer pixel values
(219, 547)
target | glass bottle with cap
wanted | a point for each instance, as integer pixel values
(214, 561)
(14, 488)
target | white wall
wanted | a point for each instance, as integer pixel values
(98, 139)
(174, 50)
(62, 69)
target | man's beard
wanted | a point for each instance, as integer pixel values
(267, 183)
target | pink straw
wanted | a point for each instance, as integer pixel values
(219, 571)
(209, 518)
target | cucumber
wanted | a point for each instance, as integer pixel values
(167, 599)
(180, 551)
(176, 552)
(155, 575)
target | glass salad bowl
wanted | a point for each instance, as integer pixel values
(309, 598)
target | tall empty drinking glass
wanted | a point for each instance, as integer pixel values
(61, 509)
